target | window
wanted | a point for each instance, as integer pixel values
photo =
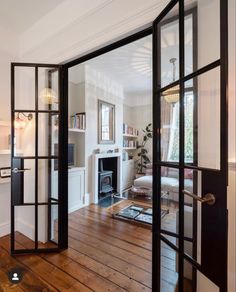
(173, 151)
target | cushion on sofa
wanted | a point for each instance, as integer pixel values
(169, 184)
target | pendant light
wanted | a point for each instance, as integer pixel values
(48, 96)
(172, 95)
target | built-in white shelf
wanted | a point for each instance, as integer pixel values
(129, 148)
(130, 136)
(76, 130)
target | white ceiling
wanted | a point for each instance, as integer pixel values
(130, 65)
(19, 15)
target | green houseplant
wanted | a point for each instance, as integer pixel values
(143, 158)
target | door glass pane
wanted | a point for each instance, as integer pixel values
(190, 54)
(169, 199)
(202, 120)
(24, 88)
(169, 268)
(192, 215)
(202, 32)
(44, 224)
(47, 180)
(48, 134)
(53, 219)
(169, 47)
(170, 127)
(189, 277)
(196, 281)
(48, 88)
(29, 181)
(24, 140)
(24, 227)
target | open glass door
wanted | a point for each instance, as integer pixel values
(190, 143)
(38, 160)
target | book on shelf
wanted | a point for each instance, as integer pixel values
(127, 130)
(129, 143)
(78, 121)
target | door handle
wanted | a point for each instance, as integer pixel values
(17, 170)
(208, 198)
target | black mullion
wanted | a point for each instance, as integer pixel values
(32, 251)
(34, 65)
(190, 76)
(166, 232)
(224, 132)
(38, 111)
(36, 157)
(12, 155)
(181, 146)
(33, 157)
(63, 159)
(156, 228)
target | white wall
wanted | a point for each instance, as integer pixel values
(8, 53)
(139, 115)
(99, 86)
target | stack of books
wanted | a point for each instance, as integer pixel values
(129, 130)
(78, 121)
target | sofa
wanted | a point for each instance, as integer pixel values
(169, 182)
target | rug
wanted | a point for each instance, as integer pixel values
(138, 213)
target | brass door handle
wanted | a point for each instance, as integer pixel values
(17, 170)
(208, 198)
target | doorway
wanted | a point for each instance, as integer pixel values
(189, 120)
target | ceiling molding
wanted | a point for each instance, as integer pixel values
(96, 37)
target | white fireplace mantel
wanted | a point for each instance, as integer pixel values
(95, 160)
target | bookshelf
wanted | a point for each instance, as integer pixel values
(130, 137)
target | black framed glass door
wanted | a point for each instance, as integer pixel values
(190, 144)
(38, 160)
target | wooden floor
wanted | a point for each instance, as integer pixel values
(104, 254)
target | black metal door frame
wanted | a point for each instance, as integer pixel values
(62, 201)
(213, 180)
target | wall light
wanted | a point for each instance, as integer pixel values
(21, 122)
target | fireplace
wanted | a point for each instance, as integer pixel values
(107, 173)
(104, 183)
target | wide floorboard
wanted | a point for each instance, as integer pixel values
(104, 254)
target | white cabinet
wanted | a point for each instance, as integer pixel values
(76, 187)
(128, 173)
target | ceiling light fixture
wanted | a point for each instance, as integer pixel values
(172, 95)
(48, 96)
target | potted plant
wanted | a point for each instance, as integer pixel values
(143, 159)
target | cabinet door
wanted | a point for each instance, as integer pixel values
(76, 190)
(127, 173)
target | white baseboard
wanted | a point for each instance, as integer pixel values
(5, 229)
(74, 208)
(25, 228)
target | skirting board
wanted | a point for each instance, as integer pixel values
(5, 229)
(21, 226)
